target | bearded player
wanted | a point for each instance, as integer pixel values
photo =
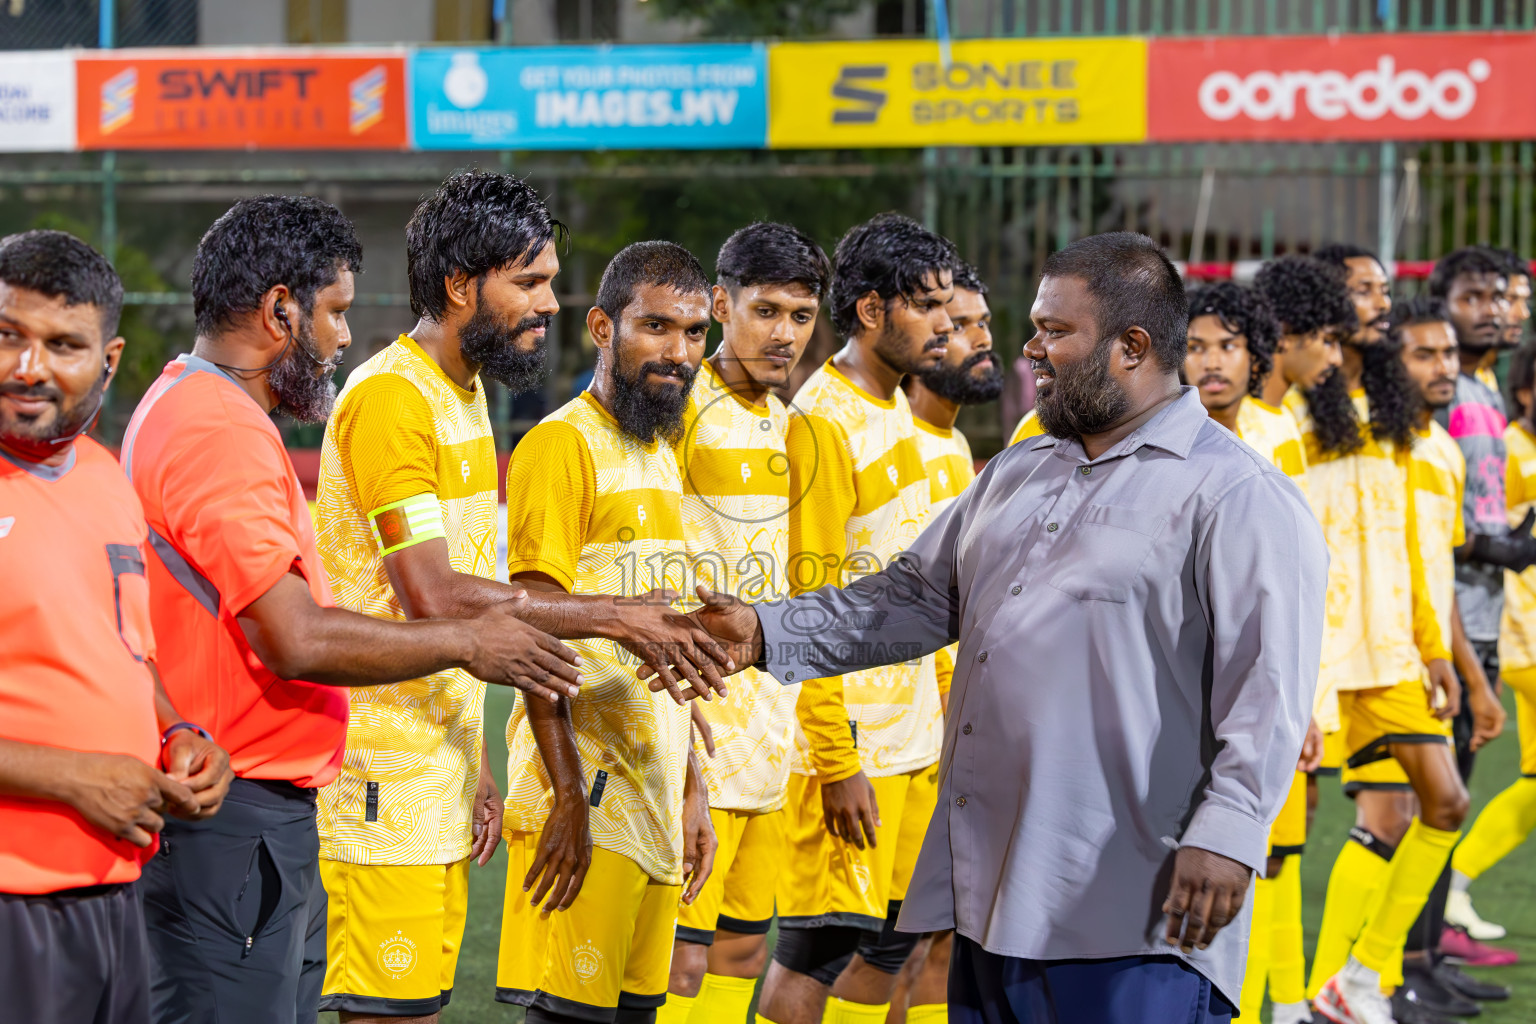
(1381, 641)
(607, 780)
(861, 798)
(407, 513)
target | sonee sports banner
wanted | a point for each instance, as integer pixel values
(993, 92)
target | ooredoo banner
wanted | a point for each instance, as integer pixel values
(277, 99)
(1347, 87)
(590, 97)
(37, 102)
(997, 92)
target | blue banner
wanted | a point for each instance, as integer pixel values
(591, 97)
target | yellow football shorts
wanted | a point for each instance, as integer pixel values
(1373, 720)
(392, 935)
(827, 881)
(738, 895)
(611, 948)
(1334, 754)
(1288, 835)
(1523, 682)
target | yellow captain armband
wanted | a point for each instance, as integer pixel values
(409, 521)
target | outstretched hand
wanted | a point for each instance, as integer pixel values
(672, 646)
(510, 652)
(1206, 894)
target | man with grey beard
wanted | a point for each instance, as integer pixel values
(1139, 603)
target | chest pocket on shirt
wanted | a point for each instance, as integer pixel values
(1102, 556)
(130, 588)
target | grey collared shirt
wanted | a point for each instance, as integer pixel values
(1139, 643)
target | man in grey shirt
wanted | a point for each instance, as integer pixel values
(1138, 598)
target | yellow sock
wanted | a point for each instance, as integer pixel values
(1415, 868)
(1503, 825)
(676, 1009)
(929, 1013)
(841, 1011)
(1356, 876)
(1287, 961)
(1258, 949)
(723, 999)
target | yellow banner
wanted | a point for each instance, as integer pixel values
(994, 92)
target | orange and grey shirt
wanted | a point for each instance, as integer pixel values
(75, 643)
(228, 520)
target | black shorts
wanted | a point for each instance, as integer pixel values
(236, 911)
(74, 956)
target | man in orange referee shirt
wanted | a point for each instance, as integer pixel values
(84, 784)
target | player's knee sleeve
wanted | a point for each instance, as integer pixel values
(888, 949)
(820, 953)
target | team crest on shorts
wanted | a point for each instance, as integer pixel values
(397, 955)
(861, 875)
(587, 962)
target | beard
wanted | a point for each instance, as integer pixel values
(29, 436)
(645, 409)
(959, 385)
(1083, 400)
(303, 383)
(487, 342)
(896, 349)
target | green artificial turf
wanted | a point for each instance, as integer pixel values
(1506, 894)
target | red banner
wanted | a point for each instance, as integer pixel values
(1352, 87)
(242, 100)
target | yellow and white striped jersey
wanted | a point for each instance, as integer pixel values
(736, 524)
(950, 468)
(1029, 426)
(594, 509)
(1439, 475)
(858, 497)
(1272, 433)
(1517, 630)
(1380, 628)
(402, 429)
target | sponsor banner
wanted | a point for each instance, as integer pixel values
(211, 99)
(993, 92)
(590, 97)
(1461, 85)
(37, 102)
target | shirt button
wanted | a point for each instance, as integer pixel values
(1050, 527)
(966, 730)
(959, 801)
(983, 657)
(1016, 589)
(1086, 470)
(789, 675)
